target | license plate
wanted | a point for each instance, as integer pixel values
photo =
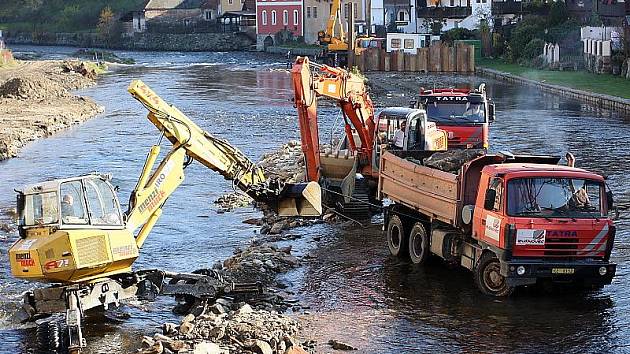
(562, 270)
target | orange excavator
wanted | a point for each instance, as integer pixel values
(348, 170)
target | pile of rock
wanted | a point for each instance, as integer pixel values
(231, 201)
(452, 160)
(286, 163)
(260, 262)
(243, 330)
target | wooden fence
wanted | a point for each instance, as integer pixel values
(436, 58)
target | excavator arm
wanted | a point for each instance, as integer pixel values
(190, 142)
(350, 93)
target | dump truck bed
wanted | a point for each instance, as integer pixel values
(430, 191)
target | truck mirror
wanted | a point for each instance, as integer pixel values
(491, 195)
(491, 112)
(610, 200)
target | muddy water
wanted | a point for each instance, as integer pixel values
(357, 293)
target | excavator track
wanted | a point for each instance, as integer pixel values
(359, 205)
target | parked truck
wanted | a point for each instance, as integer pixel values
(512, 220)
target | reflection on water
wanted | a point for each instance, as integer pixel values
(357, 293)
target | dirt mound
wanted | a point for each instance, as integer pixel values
(31, 87)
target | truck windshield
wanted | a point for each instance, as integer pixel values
(554, 197)
(456, 113)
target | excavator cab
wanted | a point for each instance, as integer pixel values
(70, 230)
(420, 135)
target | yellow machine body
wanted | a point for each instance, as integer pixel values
(73, 230)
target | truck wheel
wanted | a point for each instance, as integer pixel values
(418, 244)
(488, 277)
(396, 237)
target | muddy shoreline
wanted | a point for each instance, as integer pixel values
(36, 101)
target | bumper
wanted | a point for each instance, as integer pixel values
(587, 273)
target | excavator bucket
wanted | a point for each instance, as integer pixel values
(300, 199)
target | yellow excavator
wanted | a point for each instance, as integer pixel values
(74, 234)
(336, 42)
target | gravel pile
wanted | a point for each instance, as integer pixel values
(260, 262)
(243, 330)
(287, 163)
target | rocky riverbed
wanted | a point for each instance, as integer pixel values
(237, 324)
(35, 100)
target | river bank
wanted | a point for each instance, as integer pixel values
(35, 100)
(603, 90)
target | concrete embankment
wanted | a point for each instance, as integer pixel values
(597, 99)
(196, 42)
(35, 101)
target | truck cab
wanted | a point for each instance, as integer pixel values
(544, 221)
(465, 114)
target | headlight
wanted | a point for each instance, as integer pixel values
(520, 270)
(602, 270)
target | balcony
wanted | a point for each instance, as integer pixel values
(506, 7)
(444, 12)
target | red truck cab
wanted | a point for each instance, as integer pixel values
(544, 221)
(465, 114)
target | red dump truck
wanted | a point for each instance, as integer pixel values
(464, 114)
(511, 220)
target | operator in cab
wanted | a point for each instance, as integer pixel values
(399, 136)
(67, 208)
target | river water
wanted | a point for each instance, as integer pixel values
(357, 293)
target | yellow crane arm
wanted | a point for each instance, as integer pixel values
(191, 142)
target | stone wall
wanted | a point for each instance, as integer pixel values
(141, 41)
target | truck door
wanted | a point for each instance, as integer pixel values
(488, 216)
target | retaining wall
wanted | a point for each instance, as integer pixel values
(597, 99)
(141, 41)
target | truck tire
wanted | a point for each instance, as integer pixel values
(396, 237)
(488, 277)
(418, 244)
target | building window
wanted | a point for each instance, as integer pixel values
(308, 11)
(273, 17)
(401, 16)
(264, 17)
(314, 11)
(295, 17)
(452, 2)
(285, 17)
(409, 44)
(208, 15)
(395, 43)
(230, 2)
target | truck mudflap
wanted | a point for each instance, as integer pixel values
(527, 272)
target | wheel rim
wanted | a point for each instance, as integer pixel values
(417, 248)
(395, 237)
(492, 277)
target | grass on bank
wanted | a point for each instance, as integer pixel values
(582, 80)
